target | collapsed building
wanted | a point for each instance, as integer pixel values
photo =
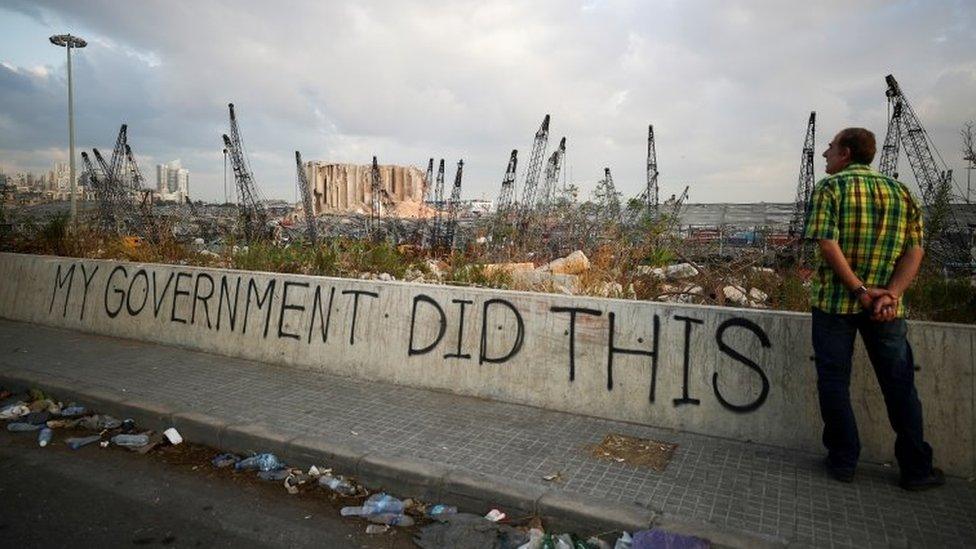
(347, 189)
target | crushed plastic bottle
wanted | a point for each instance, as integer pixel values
(44, 437)
(260, 462)
(440, 511)
(15, 410)
(376, 504)
(22, 427)
(77, 442)
(224, 460)
(74, 411)
(100, 423)
(377, 528)
(337, 484)
(130, 441)
(393, 519)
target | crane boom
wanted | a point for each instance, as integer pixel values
(307, 204)
(804, 187)
(252, 215)
(651, 191)
(452, 208)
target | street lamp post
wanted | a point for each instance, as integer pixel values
(67, 41)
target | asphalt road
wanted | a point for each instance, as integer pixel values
(94, 497)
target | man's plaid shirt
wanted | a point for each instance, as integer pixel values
(874, 218)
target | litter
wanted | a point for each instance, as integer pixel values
(37, 418)
(377, 528)
(552, 477)
(173, 436)
(495, 515)
(15, 410)
(128, 426)
(337, 484)
(224, 460)
(376, 504)
(440, 511)
(392, 519)
(21, 427)
(44, 437)
(78, 442)
(130, 441)
(275, 475)
(260, 462)
(74, 411)
(63, 423)
(100, 423)
(314, 471)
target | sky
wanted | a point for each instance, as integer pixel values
(727, 85)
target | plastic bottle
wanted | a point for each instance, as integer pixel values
(78, 442)
(382, 503)
(393, 519)
(337, 484)
(260, 462)
(44, 437)
(130, 441)
(73, 411)
(441, 511)
(21, 427)
(224, 460)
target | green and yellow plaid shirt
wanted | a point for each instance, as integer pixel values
(874, 218)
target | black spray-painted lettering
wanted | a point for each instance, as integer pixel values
(442, 325)
(205, 299)
(573, 311)
(224, 297)
(176, 297)
(252, 289)
(613, 349)
(88, 280)
(764, 340)
(685, 399)
(317, 307)
(158, 299)
(59, 282)
(140, 274)
(519, 335)
(285, 306)
(355, 310)
(108, 286)
(458, 354)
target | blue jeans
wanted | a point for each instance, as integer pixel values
(894, 366)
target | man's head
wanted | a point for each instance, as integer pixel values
(850, 146)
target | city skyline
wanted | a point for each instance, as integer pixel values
(474, 82)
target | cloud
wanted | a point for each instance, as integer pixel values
(727, 86)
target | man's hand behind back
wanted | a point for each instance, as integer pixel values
(881, 303)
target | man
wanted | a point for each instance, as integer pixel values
(869, 231)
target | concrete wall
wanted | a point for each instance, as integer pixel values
(741, 374)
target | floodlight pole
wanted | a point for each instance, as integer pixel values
(67, 41)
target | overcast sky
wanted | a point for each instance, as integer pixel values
(727, 85)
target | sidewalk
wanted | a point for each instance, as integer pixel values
(478, 453)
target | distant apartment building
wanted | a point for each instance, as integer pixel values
(172, 182)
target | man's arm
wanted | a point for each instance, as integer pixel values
(906, 268)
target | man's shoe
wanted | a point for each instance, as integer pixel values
(935, 479)
(839, 474)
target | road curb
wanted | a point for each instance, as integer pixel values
(402, 475)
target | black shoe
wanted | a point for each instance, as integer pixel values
(934, 479)
(839, 474)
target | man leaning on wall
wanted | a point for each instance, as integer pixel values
(869, 230)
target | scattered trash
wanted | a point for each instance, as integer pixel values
(495, 515)
(128, 426)
(100, 423)
(173, 436)
(438, 512)
(63, 423)
(44, 437)
(655, 537)
(37, 418)
(104, 443)
(625, 541)
(535, 539)
(392, 519)
(354, 433)
(377, 528)
(22, 427)
(224, 460)
(374, 505)
(74, 411)
(293, 481)
(552, 477)
(15, 410)
(77, 442)
(260, 462)
(276, 475)
(155, 439)
(467, 530)
(597, 543)
(314, 472)
(130, 441)
(337, 484)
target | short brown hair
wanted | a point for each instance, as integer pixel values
(860, 142)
